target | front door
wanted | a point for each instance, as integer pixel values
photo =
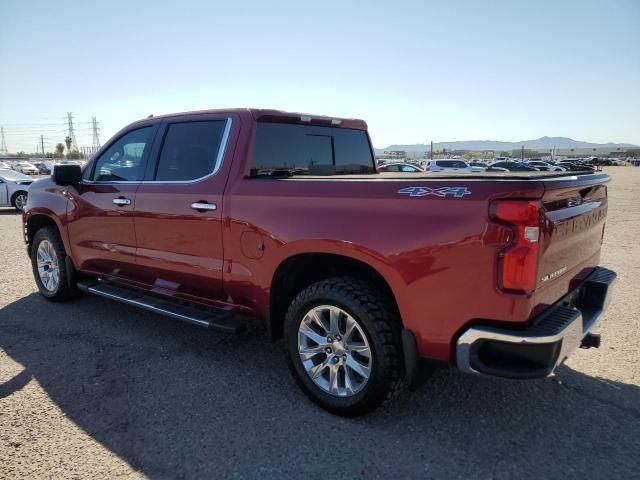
(100, 212)
(178, 213)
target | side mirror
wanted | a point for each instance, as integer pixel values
(66, 174)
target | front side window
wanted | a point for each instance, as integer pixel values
(190, 150)
(292, 149)
(122, 162)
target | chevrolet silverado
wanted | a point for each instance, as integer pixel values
(228, 217)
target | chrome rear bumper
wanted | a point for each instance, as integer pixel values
(548, 340)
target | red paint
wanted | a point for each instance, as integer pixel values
(439, 256)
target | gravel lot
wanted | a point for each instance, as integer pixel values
(95, 389)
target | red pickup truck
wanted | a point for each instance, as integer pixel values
(224, 217)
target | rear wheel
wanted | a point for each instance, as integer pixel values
(48, 263)
(343, 346)
(19, 200)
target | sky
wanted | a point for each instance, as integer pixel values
(414, 70)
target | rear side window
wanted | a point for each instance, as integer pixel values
(288, 149)
(451, 164)
(190, 150)
(122, 162)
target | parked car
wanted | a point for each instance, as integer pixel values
(222, 216)
(576, 166)
(25, 167)
(13, 188)
(545, 166)
(43, 168)
(447, 166)
(399, 167)
(510, 167)
(478, 166)
(5, 166)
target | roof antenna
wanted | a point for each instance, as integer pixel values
(150, 115)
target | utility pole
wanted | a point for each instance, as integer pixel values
(95, 144)
(522, 154)
(3, 144)
(72, 134)
(42, 144)
(431, 156)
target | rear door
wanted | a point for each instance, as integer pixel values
(100, 209)
(178, 214)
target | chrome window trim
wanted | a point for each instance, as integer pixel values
(216, 167)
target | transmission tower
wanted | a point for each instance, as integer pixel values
(72, 134)
(3, 145)
(95, 144)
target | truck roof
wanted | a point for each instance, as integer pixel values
(270, 115)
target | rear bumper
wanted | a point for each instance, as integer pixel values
(548, 340)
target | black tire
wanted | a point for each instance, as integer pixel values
(63, 290)
(19, 200)
(374, 313)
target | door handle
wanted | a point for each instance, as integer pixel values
(202, 206)
(121, 201)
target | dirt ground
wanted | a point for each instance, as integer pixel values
(93, 389)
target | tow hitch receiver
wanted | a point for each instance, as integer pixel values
(591, 340)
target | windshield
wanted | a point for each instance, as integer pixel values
(13, 176)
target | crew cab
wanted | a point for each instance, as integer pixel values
(243, 217)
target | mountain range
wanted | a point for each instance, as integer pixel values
(542, 143)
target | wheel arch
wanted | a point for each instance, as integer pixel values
(37, 221)
(299, 270)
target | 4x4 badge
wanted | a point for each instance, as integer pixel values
(456, 192)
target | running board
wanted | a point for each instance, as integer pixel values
(215, 319)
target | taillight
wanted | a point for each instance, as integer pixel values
(518, 263)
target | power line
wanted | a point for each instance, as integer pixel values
(95, 142)
(72, 133)
(3, 145)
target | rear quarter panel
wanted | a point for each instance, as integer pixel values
(436, 254)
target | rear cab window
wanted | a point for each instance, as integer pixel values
(282, 149)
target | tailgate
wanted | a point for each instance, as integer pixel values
(574, 210)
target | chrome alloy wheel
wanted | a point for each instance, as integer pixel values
(21, 201)
(334, 351)
(47, 262)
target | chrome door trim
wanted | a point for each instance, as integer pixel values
(216, 167)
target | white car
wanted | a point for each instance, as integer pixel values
(544, 166)
(447, 166)
(5, 166)
(13, 189)
(26, 167)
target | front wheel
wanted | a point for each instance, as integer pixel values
(48, 263)
(19, 200)
(343, 345)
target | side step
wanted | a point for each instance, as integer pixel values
(215, 319)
